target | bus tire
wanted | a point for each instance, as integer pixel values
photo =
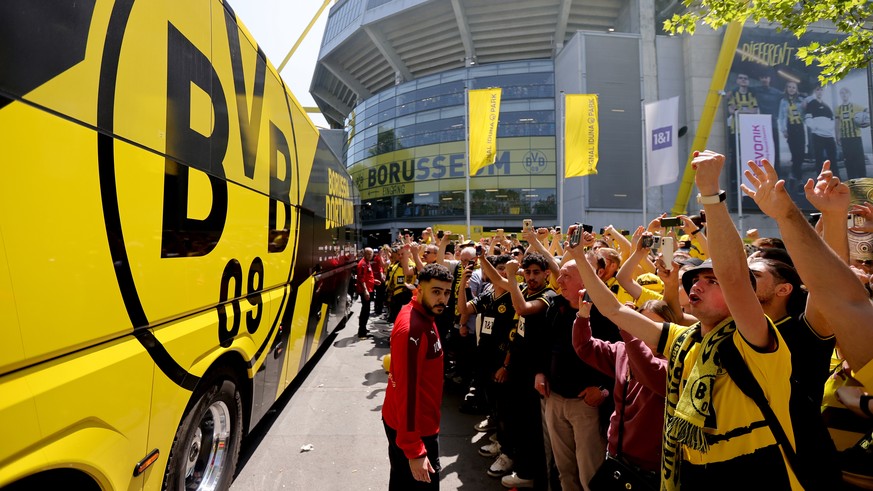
(207, 444)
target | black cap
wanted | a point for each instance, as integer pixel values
(690, 275)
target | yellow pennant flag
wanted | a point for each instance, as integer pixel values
(581, 135)
(484, 113)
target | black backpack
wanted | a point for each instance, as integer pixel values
(815, 460)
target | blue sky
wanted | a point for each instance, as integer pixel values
(276, 25)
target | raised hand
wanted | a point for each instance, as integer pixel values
(769, 191)
(827, 194)
(708, 165)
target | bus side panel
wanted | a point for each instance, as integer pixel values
(87, 411)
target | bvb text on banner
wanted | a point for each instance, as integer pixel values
(484, 109)
(581, 135)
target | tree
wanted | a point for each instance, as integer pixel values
(851, 18)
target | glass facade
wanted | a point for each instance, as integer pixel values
(406, 148)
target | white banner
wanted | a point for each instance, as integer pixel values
(662, 152)
(756, 141)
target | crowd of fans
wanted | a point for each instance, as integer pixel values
(580, 348)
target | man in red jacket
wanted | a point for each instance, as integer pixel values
(366, 282)
(411, 412)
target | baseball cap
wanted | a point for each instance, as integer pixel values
(690, 275)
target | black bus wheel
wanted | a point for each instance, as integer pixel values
(206, 447)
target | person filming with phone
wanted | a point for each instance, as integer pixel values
(713, 433)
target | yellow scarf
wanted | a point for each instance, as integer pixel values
(689, 412)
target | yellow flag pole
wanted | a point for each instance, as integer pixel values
(710, 107)
(303, 36)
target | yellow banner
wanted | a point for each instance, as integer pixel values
(581, 135)
(484, 113)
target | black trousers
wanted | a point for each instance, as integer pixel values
(797, 145)
(401, 476)
(853, 153)
(364, 316)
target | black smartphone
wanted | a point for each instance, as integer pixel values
(671, 222)
(588, 228)
(479, 249)
(647, 241)
(440, 234)
(454, 237)
(576, 236)
(702, 216)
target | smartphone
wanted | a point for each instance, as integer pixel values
(576, 236)
(671, 222)
(667, 252)
(856, 221)
(647, 241)
(656, 242)
(479, 250)
(513, 235)
(702, 216)
(588, 228)
(602, 231)
(440, 234)
(527, 224)
(558, 229)
(454, 237)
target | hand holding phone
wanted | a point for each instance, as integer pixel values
(671, 222)
(667, 252)
(576, 235)
(527, 225)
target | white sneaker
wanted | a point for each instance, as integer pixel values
(513, 481)
(486, 424)
(490, 450)
(501, 466)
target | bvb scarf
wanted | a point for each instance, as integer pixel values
(689, 412)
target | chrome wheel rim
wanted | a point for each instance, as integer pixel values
(207, 450)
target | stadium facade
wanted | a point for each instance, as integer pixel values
(393, 74)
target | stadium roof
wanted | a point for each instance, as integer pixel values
(371, 45)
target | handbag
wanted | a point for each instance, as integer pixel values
(616, 473)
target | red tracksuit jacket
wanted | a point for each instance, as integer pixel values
(415, 382)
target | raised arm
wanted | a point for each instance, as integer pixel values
(622, 316)
(491, 272)
(729, 256)
(444, 243)
(463, 303)
(415, 250)
(625, 248)
(534, 245)
(831, 197)
(625, 275)
(822, 271)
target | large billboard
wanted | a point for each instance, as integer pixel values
(809, 123)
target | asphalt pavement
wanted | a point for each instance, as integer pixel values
(326, 433)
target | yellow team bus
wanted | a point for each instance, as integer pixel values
(176, 241)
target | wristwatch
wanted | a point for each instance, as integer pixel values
(712, 200)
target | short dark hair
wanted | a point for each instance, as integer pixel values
(535, 258)
(769, 242)
(435, 272)
(499, 259)
(785, 273)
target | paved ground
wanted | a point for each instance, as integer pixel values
(336, 409)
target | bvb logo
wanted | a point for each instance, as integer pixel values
(535, 161)
(501, 309)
